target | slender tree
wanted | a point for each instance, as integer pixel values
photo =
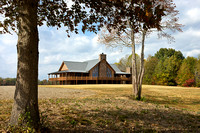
(24, 17)
(148, 15)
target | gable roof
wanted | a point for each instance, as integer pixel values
(80, 66)
(75, 66)
(117, 71)
(91, 64)
(85, 67)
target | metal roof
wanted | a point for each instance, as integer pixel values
(75, 66)
(117, 71)
(85, 67)
(91, 64)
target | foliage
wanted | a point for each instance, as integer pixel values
(189, 83)
(187, 70)
(12, 81)
(43, 82)
(58, 13)
(162, 68)
(7, 81)
(164, 53)
(191, 62)
(150, 64)
(126, 61)
(170, 67)
(197, 73)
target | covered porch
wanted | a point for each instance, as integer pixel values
(64, 78)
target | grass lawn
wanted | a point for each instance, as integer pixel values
(112, 109)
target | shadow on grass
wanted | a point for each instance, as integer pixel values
(121, 120)
(169, 100)
(112, 115)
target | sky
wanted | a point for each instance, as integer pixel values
(55, 47)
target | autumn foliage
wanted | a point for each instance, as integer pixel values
(170, 67)
(189, 83)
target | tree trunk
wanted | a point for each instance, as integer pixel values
(141, 72)
(134, 65)
(26, 94)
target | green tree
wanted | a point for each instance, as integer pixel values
(24, 17)
(192, 62)
(172, 66)
(197, 73)
(168, 66)
(160, 76)
(126, 61)
(187, 70)
(150, 65)
(10, 81)
(1, 81)
(164, 53)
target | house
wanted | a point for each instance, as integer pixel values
(97, 71)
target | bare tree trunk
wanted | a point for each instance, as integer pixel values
(26, 93)
(141, 73)
(134, 65)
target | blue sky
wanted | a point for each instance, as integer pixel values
(55, 46)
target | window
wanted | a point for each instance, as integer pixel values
(108, 72)
(95, 72)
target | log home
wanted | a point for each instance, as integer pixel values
(97, 71)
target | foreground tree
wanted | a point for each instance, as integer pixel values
(24, 17)
(148, 15)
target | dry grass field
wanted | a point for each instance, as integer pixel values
(111, 108)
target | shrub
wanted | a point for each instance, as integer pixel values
(189, 83)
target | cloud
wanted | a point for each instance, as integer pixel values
(195, 52)
(191, 16)
(8, 55)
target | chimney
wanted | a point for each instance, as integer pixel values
(102, 57)
(128, 70)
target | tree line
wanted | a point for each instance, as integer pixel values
(168, 67)
(12, 82)
(7, 81)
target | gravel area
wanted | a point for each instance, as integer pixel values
(7, 92)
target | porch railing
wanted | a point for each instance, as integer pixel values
(89, 78)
